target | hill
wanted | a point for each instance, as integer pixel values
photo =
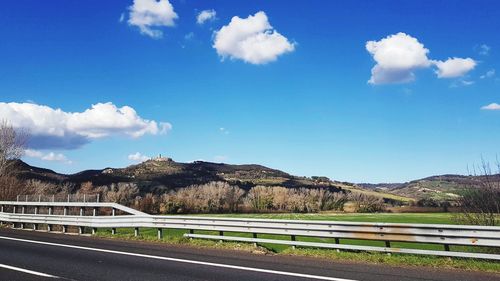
(163, 174)
(168, 173)
(438, 188)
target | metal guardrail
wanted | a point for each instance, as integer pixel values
(446, 235)
(58, 198)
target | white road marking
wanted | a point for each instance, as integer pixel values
(27, 271)
(221, 265)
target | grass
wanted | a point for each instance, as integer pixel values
(378, 194)
(428, 218)
(175, 236)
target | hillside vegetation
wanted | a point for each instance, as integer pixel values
(162, 185)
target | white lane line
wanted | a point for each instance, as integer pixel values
(277, 272)
(27, 271)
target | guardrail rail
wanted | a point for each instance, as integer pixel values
(115, 216)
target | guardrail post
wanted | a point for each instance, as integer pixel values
(14, 209)
(94, 212)
(160, 233)
(1, 209)
(49, 227)
(387, 244)
(81, 211)
(337, 241)
(35, 226)
(17, 198)
(50, 210)
(446, 247)
(22, 225)
(26, 198)
(22, 210)
(64, 229)
(98, 195)
(113, 212)
(83, 198)
(136, 232)
(80, 230)
(94, 230)
(65, 212)
(53, 198)
(36, 210)
(113, 231)
(293, 239)
(254, 235)
(39, 198)
(68, 198)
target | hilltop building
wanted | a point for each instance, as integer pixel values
(160, 158)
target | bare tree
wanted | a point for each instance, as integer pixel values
(366, 203)
(480, 201)
(12, 144)
(122, 193)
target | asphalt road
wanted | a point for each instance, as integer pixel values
(46, 256)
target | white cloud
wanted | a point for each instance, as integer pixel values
(220, 158)
(461, 82)
(55, 128)
(490, 73)
(454, 67)
(467, 82)
(398, 56)
(150, 14)
(484, 49)
(491, 106)
(51, 156)
(252, 40)
(206, 15)
(224, 131)
(138, 157)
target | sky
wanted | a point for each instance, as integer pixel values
(360, 91)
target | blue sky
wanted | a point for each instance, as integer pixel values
(299, 100)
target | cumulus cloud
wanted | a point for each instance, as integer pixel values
(55, 128)
(138, 157)
(51, 156)
(148, 15)
(252, 40)
(398, 56)
(454, 67)
(206, 15)
(491, 106)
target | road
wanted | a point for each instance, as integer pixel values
(29, 255)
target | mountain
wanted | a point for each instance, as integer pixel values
(164, 174)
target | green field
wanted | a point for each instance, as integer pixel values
(430, 218)
(176, 236)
